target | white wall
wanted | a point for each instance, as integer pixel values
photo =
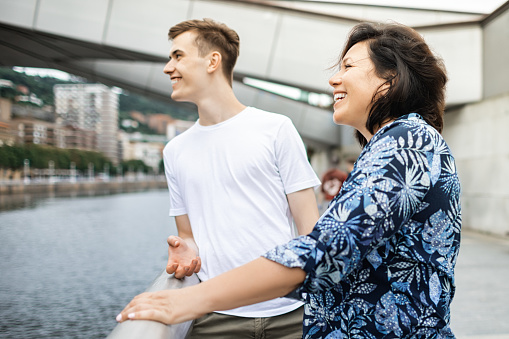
(478, 137)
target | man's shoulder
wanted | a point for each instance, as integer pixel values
(178, 140)
(260, 113)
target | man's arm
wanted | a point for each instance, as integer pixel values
(256, 281)
(304, 210)
(183, 259)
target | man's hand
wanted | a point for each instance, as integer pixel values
(182, 259)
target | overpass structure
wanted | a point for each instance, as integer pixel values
(124, 43)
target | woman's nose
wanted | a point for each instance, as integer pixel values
(335, 79)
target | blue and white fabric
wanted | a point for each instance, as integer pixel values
(380, 261)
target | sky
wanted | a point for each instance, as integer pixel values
(44, 72)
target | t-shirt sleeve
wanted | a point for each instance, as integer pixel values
(385, 189)
(177, 206)
(291, 158)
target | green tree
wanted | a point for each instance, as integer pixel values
(39, 156)
(135, 165)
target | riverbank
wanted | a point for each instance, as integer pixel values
(85, 187)
(17, 194)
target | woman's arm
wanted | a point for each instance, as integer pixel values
(256, 281)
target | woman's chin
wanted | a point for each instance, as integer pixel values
(336, 117)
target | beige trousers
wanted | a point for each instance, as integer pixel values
(221, 326)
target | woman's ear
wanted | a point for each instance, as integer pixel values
(387, 84)
(214, 61)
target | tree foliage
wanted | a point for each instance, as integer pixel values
(39, 156)
(134, 166)
(41, 86)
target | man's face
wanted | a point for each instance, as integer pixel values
(186, 68)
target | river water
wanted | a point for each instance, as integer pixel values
(68, 265)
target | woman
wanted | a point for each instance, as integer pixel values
(380, 261)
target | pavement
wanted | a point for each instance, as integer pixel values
(480, 308)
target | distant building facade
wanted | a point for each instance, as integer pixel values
(176, 127)
(6, 135)
(90, 108)
(147, 148)
(33, 131)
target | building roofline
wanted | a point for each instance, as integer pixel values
(271, 5)
(499, 11)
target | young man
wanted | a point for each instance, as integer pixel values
(235, 178)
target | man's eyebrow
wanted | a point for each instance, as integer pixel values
(174, 53)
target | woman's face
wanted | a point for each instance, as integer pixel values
(354, 86)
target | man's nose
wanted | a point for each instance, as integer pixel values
(169, 67)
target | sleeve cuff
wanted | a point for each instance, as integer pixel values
(294, 254)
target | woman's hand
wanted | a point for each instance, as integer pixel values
(165, 306)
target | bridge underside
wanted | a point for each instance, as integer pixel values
(124, 44)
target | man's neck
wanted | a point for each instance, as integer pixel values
(217, 109)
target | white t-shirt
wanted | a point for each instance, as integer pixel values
(231, 179)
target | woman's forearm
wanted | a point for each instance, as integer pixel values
(257, 281)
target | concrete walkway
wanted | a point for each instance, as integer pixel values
(480, 308)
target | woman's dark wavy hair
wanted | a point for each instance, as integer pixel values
(416, 77)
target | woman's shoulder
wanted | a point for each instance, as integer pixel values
(409, 131)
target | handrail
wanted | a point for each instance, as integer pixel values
(134, 329)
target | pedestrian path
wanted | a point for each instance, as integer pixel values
(480, 308)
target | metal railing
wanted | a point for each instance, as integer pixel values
(134, 329)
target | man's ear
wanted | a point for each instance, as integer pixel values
(214, 61)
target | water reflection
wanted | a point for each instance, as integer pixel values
(69, 264)
(16, 201)
(9, 202)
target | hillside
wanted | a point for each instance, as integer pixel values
(42, 87)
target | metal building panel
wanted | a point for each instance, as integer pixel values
(306, 49)
(73, 18)
(130, 72)
(318, 125)
(245, 94)
(461, 49)
(143, 25)
(256, 29)
(19, 12)
(496, 56)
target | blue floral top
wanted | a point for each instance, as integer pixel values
(380, 261)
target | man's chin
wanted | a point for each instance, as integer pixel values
(175, 97)
(179, 99)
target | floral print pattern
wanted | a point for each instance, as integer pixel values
(380, 261)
